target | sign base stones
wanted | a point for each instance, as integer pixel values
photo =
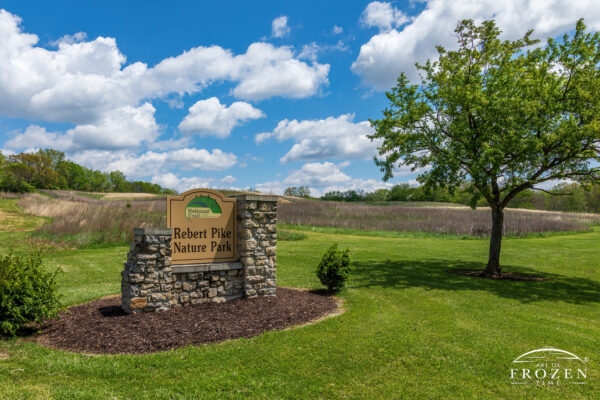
(152, 281)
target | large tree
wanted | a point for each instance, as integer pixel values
(505, 116)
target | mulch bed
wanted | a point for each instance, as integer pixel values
(102, 327)
(510, 276)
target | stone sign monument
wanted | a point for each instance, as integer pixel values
(214, 248)
(204, 227)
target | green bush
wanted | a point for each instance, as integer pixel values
(334, 268)
(9, 183)
(27, 292)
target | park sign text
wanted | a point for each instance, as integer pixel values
(204, 227)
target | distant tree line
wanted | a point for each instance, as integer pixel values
(297, 191)
(401, 192)
(563, 197)
(48, 169)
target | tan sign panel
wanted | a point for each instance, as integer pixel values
(204, 227)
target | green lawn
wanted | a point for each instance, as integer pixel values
(411, 330)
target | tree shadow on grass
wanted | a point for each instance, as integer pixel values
(434, 274)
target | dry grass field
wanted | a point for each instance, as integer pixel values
(437, 220)
(84, 221)
(96, 196)
(125, 196)
(81, 219)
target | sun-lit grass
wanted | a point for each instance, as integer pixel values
(283, 235)
(411, 329)
(15, 225)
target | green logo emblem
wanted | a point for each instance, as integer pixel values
(202, 207)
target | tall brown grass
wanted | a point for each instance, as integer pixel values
(82, 220)
(93, 221)
(156, 203)
(9, 195)
(438, 220)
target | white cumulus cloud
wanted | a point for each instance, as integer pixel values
(322, 178)
(35, 137)
(125, 127)
(189, 159)
(210, 117)
(279, 27)
(382, 15)
(392, 51)
(227, 180)
(70, 39)
(263, 71)
(172, 181)
(317, 174)
(311, 51)
(153, 163)
(89, 84)
(267, 71)
(329, 138)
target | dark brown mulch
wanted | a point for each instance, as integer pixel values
(101, 326)
(510, 276)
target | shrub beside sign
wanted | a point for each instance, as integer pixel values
(204, 227)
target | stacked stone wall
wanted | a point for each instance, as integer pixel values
(146, 279)
(198, 287)
(151, 283)
(257, 229)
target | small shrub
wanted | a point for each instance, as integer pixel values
(334, 268)
(290, 235)
(27, 293)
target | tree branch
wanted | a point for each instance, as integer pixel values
(552, 193)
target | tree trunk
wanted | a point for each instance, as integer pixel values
(493, 265)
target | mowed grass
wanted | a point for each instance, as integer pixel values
(411, 330)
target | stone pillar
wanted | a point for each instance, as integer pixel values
(257, 243)
(146, 280)
(151, 283)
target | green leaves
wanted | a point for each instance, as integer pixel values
(47, 169)
(27, 292)
(334, 268)
(501, 114)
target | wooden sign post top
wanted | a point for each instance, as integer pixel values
(204, 227)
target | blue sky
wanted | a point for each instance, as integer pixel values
(229, 94)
